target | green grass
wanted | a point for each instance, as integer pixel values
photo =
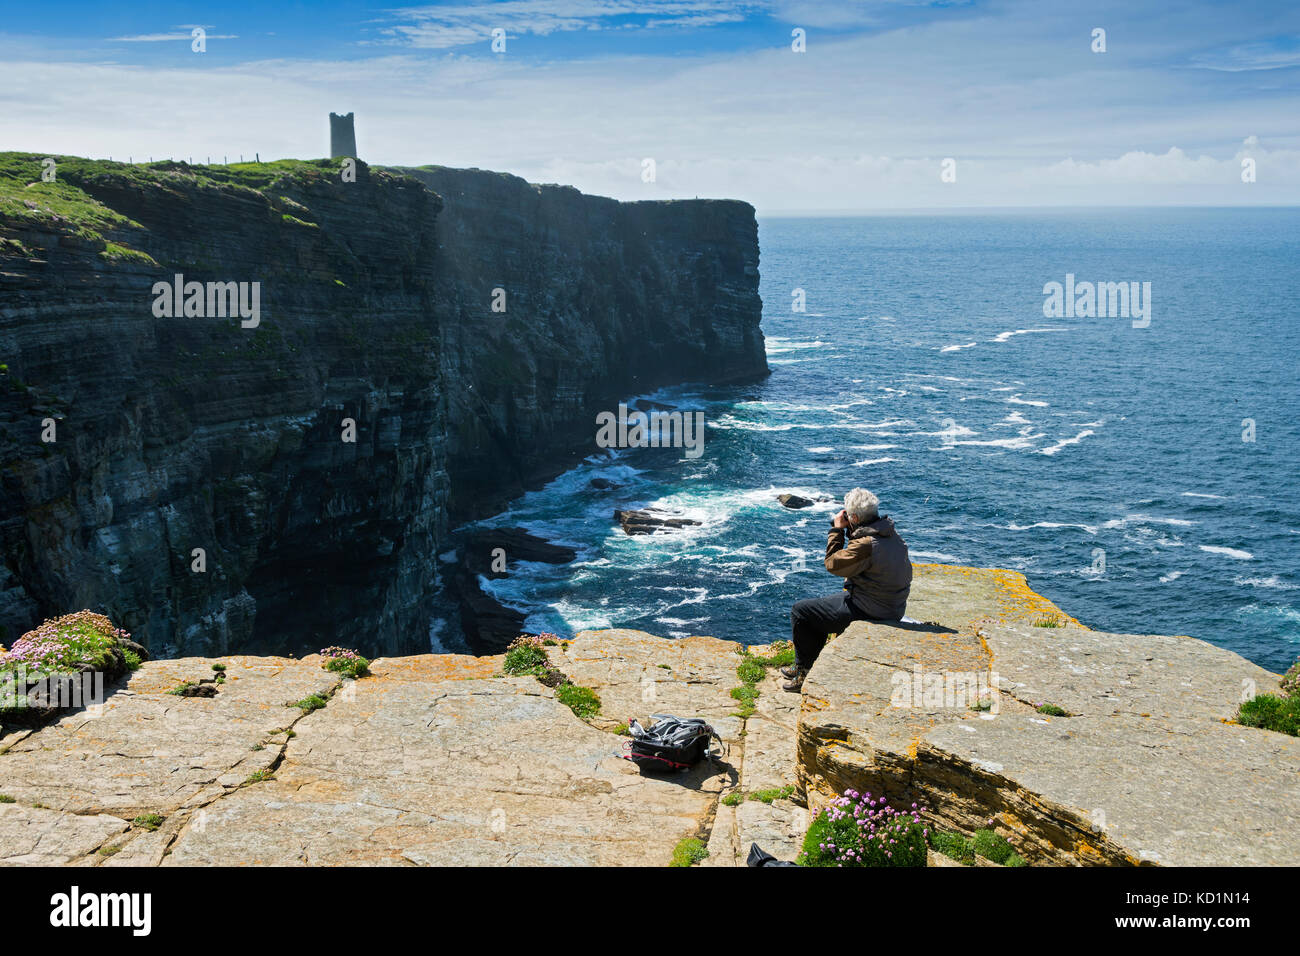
(108, 850)
(733, 799)
(133, 661)
(688, 852)
(1051, 710)
(953, 845)
(310, 703)
(782, 655)
(1049, 622)
(353, 667)
(989, 845)
(26, 200)
(149, 821)
(583, 701)
(771, 794)
(752, 669)
(11, 247)
(113, 252)
(522, 659)
(180, 689)
(5, 798)
(258, 777)
(623, 730)
(1270, 712)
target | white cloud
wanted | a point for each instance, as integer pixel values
(447, 27)
(857, 122)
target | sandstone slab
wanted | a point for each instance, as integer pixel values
(638, 674)
(1146, 768)
(35, 836)
(148, 751)
(411, 771)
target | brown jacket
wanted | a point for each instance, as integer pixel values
(875, 566)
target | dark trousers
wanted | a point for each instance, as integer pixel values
(812, 620)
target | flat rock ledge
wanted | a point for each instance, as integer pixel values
(1147, 768)
(442, 760)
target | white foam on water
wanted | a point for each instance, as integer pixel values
(1235, 553)
(1023, 440)
(1017, 400)
(778, 406)
(436, 643)
(778, 346)
(872, 447)
(1146, 519)
(1286, 613)
(1004, 336)
(573, 617)
(939, 556)
(872, 461)
(1273, 581)
(1171, 576)
(958, 348)
(1066, 442)
(821, 449)
(1048, 524)
(952, 432)
(1197, 494)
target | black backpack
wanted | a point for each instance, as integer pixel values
(670, 743)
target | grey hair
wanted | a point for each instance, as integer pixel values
(862, 505)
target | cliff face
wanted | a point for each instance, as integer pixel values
(182, 433)
(602, 299)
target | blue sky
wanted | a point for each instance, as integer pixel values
(586, 90)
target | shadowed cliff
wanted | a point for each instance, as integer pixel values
(181, 433)
(603, 299)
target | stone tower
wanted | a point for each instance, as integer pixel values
(343, 137)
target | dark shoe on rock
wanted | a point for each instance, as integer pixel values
(795, 683)
(789, 671)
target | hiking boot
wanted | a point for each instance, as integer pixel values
(789, 671)
(795, 683)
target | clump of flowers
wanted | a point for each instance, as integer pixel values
(860, 830)
(525, 653)
(345, 661)
(65, 645)
(1291, 680)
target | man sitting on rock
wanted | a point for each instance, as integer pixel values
(863, 548)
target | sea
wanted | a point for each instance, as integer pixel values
(1139, 469)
